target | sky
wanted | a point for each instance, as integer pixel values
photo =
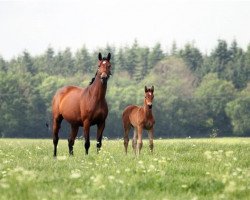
(36, 25)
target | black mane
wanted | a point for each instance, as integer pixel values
(93, 79)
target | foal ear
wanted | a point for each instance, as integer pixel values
(146, 89)
(152, 88)
(100, 56)
(109, 57)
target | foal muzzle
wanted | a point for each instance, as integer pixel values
(150, 105)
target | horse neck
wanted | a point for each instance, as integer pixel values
(98, 88)
(147, 111)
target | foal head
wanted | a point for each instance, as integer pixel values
(149, 96)
(104, 67)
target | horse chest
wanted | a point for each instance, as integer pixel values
(96, 113)
(148, 124)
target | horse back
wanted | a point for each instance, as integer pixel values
(129, 114)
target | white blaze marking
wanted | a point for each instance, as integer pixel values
(104, 62)
(150, 93)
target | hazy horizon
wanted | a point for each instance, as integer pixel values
(36, 25)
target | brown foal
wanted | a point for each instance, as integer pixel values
(139, 117)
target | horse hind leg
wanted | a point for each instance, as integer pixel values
(56, 126)
(126, 138)
(134, 142)
(72, 137)
(126, 127)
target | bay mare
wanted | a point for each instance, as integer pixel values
(83, 107)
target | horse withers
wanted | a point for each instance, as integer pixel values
(83, 107)
(139, 117)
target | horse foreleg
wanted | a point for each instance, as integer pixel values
(139, 140)
(100, 128)
(134, 141)
(150, 137)
(86, 127)
(72, 137)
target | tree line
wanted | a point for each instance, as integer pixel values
(196, 94)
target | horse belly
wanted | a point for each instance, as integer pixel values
(73, 119)
(70, 111)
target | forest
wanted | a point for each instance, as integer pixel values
(196, 94)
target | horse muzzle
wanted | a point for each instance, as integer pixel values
(150, 105)
(104, 78)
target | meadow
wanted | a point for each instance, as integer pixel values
(216, 168)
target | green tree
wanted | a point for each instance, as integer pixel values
(238, 112)
(213, 94)
(27, 63)
(83, 61)
(247, 63)
(236, 70)
(120, 61)
(65, 63)
(49, 59)
(141, 68)
(220, 57)
(3, 65)
(192, 56)
(14, 104)
(132, 58)
(173, 51)
(155, 55)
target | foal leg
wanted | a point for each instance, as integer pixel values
(139, 141)
(134, 141)
(150, 137)
(56, 126)
(86, 127)
(100, 128)
(126, 138)
(72, 137)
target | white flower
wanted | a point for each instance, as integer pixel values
(140, 162)
(60, 158)
(75, 175)
(127, 170)
(111, 178)
(229, 153)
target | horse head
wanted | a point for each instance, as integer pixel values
(149, 96)
(104, 67)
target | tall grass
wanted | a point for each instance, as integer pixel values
(178, 169)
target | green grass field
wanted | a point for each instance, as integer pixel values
(179, 169)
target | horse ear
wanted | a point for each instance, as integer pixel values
(100, 56)
(109, 57)
(146, 89)
(152, 88)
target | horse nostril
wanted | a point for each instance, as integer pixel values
(104, 80)
(103, 75)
